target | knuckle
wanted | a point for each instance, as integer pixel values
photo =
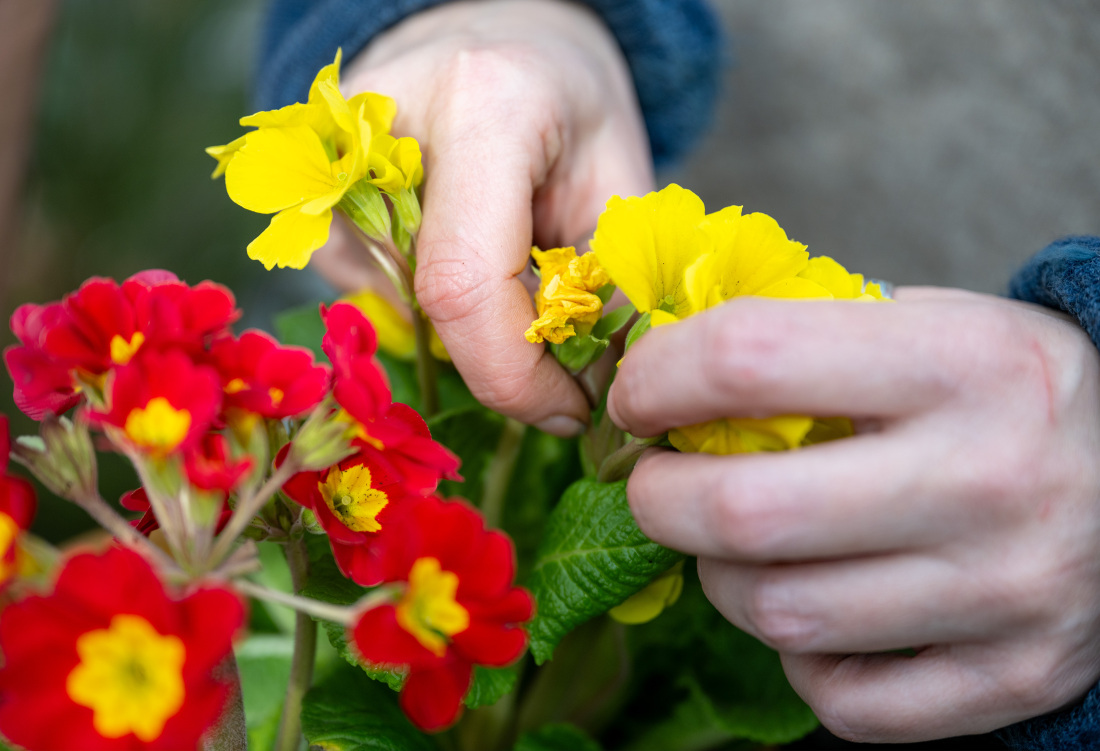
(772, 610)
(449, 289)
(489, 84)
(747, 519)
(740, 361)
(1035, 684)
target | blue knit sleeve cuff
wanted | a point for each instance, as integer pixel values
(673, 48)
(1065, 276)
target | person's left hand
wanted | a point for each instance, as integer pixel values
(962, 521)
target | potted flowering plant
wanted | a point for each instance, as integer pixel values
(457, 580)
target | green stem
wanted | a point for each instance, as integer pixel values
(247, 508)
(303, 657)
(619, 464)
(425, 364)
(499, 472)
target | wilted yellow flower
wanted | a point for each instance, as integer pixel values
(396, 335)
(566, 302)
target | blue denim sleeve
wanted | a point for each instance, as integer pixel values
(674, 49)
(1065, 276)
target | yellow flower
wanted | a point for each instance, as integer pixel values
(648, 243)
(301, 162)
(566, 302)
(395, 163)
(742, 435)
(659, 594)
(396, 335)
(835, 278)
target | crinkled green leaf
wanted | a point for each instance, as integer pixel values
(593, 557)
(349, 712)
(701, 683)
(473, 434)
(489, 685)
(556, 737)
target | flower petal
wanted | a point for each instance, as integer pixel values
(290, 239)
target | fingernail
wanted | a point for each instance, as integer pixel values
(560, 425)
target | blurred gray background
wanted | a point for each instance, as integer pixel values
(924, 142)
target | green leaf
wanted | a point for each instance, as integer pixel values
(576, 352)
(556, 737)
(348, 712)
(592, 558)
(640, 327)
(489, 685)
(605, 292)
(704, 683)
(302, 327)
(473, 434)
(264, 664)
(613, 321)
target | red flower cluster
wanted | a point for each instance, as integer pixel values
(458, 608)
(156, 365)
(395, 462)
(17, 505)
(111, 660)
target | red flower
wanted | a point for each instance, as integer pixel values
(138, 500)
(355, 502)
(458, 609)
(401, 441)
(210, 466)
(42, 384)
(262, 377)
(111, 660)
(161, 402)
(361, 386)
(103, 325)
(17, 506)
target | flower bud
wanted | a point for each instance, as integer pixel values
(61, 457)
(321, 442)
(363, 204)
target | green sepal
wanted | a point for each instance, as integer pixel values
(577, 352)
(605, 292)
(364, 206)
(592, 557)
(613, 321)
(640, 327)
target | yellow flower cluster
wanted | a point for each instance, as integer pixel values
(673, 260)
(305, 159)
(566, 301)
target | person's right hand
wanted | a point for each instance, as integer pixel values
(528, 120)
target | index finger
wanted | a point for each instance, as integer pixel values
(759, 357)
(474, 242)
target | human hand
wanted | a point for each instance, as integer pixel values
(962, 521)
(529, 121)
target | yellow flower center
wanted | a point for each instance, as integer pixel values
(236, 386)
(130, 676)
(9, 530)
(428, 609)
(348, 493)
(276, 395)
(159, 427)
(123, 351)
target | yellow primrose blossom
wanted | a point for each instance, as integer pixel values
(306, 159)
(647, 243)
(842, 285)
(742, 435)
(646, 605)
(565, 301)
(396, 335)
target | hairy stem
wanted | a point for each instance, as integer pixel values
(302, 659)
(499, 472)
(619, 464)
(425, 364)
(248, 507)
